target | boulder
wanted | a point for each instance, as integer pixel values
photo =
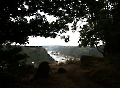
(43, 70)
(62, 71)
(88, 61)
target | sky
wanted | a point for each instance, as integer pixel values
(42, 41)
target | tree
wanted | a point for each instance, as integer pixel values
(103, 25)
(11, 62)
(15, 26)
(102, 17)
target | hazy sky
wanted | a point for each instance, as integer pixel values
(40, 41)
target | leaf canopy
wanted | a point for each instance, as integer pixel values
(102, 17)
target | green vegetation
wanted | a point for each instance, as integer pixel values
(37, 55)
(74, 51)
(53, 47)
(13, 65)
(78, 52)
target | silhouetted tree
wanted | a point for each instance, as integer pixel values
(102, 17)
(11, 61)
(103, 25)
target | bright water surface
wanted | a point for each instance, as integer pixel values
(58, 58)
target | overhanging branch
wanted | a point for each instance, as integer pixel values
(101, 50)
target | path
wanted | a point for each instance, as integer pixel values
(54, 81)
(73, 79)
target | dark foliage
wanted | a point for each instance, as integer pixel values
(103, 24)
(12, 65)
(10, 57)
(16, 28)
(102, 21)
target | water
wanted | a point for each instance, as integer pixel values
(59, 58)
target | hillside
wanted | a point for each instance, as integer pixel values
(78, 52)
(53, 47)
(74, 51)
(37, 54)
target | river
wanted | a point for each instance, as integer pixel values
(58, 58)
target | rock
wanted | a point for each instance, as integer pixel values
(88, 61)
(43, 70)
